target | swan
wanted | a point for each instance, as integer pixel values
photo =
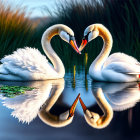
(118, 67)
(63, 119)
(94, 119)
(29, 64)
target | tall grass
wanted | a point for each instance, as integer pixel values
(16, 30)
(121, 17)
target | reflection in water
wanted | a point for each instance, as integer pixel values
(79, 82)
(57, 121)
(94, 119)
(86, 71)
(130, 117)
(73, 80)
(109, 96)
(26, 106)
(119, 96)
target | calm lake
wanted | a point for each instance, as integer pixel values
(116, 104)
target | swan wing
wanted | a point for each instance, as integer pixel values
(123, 67)
(27, 59)
(120, 57)
(28, 63)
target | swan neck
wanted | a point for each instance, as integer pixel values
(46, 45)
(107, 39)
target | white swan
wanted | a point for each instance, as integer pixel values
(94, 119)
(118, 67)
(29, 64)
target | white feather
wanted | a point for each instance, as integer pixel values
(26, 64)
(122, 63)
(120, 57)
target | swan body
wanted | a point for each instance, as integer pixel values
(118, 67)
(29, 64)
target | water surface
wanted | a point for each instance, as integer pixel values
(20, 117)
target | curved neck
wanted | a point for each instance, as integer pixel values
(107, 39)
(56, 61)
(106, 108)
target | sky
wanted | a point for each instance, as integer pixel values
(33, 6)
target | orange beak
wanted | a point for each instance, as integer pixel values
(82, 104)
(74, 46)
(83, 44)
(72, 109)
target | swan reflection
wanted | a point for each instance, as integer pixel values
(119, 96)
(39, 102)
(57, 121)
(26, 106)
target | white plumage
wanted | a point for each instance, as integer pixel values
(121, 57)
(26, 64)
(122, 63)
